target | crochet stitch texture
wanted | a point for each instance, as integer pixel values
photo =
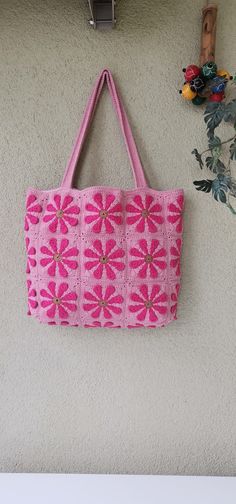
(104, 257)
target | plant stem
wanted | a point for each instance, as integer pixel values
(228, 204)
(228, 170)
(221, 143)
(233, 211)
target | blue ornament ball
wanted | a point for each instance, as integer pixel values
(218, 84)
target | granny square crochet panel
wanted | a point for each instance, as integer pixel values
(103, 257)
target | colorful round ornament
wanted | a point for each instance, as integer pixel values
(209, 69)
(217, 97)
(223, 73)
(198, 100)
(218, 84)
(191, 72)
(187, 92)
(197, 84)
(205, 83)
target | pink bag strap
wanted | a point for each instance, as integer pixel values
(125, 128)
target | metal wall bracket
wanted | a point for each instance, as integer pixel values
(102, 13)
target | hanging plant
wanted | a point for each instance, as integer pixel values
(206, 84)
(223, 186)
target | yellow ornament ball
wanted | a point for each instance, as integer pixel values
(223, 73)
(187, 92)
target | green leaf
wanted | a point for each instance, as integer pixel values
(220, 187)
(215, 146)
(230, 112)
(232, 186)
(215, 165)
(219, 195)
(203, 185)
(232, 149)
(198, 157)
(220, 167)
(214, 114)
(210, 163)
(214, 142)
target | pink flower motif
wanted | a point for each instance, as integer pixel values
(148, 305)
(103, 304)
(96, 323)
(59, 256)
(32, 303)
(104, 259)
(149, 258)
(59, 300)
(32, 208)
(61, 214)
(175, 261)
(104, 214)
(175, 216)
(146, 214)
(31, 251)
(174, 299)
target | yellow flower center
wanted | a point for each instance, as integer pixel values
(59, 214)
(102, 303)
(103, 214)
(148, 258)
(145, 213)
(57, 257)
(56, 300)
(148, 304)
(103, 259)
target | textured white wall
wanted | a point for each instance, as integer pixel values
(117, 401)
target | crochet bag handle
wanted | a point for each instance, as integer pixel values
(125, 128)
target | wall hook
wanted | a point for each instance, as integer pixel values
(102, 13)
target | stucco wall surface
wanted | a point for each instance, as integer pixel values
(114, 401)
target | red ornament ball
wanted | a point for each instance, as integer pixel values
(217, 97)
(191, 72)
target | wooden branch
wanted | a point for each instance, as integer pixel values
(208, 37)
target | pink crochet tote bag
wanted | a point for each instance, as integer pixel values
(102, 256)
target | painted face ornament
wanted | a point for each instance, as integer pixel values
(209, 70)
(197, 84)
